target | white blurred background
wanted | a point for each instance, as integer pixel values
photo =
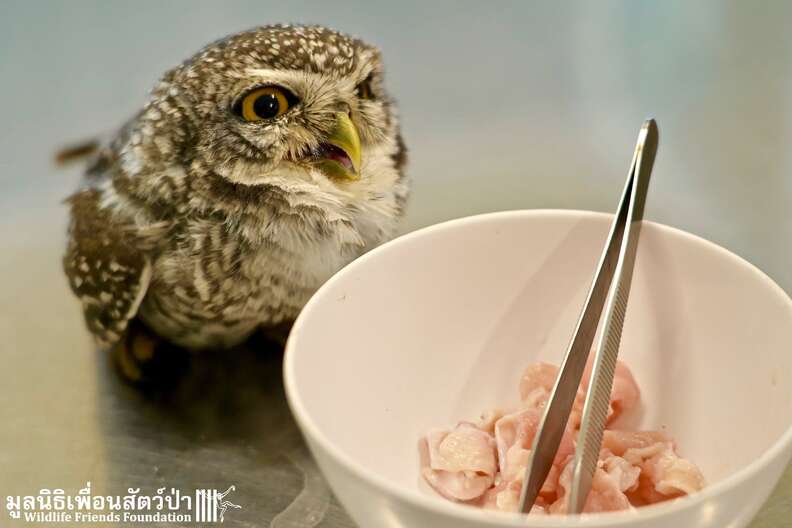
(505, 105)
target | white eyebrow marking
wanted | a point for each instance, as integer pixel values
(261, 72)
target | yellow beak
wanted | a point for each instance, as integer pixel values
(344, 136)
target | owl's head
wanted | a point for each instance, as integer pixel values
(282, 107)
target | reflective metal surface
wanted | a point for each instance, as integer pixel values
(68, 418)
(609, 293)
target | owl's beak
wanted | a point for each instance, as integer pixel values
(342, 159)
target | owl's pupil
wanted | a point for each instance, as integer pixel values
(266, 106)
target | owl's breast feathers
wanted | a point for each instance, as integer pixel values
(204, 261)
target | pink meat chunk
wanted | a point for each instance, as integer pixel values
(611, 479)
(514, 434)
(462, 463)
(624, 393)
(538, 380)
(506, 497)
(619, 442)
(484, 463)
(488, 420)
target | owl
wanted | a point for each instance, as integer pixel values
(255, 170)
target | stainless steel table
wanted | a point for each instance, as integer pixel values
(67, 418)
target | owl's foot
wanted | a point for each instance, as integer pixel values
(141, 356)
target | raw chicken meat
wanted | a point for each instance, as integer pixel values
(538, 380)
(483, 464)
(462, 464)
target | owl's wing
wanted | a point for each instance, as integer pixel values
(105, 266)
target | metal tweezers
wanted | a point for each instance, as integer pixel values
(615, 268)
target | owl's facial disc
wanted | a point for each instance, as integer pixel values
(339, 155)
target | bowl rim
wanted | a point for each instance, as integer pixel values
(496, 518)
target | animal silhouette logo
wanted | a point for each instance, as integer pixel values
(211, 505)
(223, 505)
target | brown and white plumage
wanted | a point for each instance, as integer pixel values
(207, 226)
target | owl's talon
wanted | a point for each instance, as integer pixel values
(143, 347)
(126, 362)
(148, 361)
(136, 354)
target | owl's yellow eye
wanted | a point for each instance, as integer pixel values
(265, 103)
(364, 89)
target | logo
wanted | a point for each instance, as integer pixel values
(173, 506)
(209, 502)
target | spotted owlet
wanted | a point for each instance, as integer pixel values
(256, 169)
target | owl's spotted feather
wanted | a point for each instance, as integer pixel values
(207, 226)
(105, 266)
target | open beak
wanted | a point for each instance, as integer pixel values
(339, 155)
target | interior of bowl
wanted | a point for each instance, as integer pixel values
(438, 326)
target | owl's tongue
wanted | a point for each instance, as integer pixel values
(334, 153)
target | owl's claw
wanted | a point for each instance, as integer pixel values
(143, 346)
(139, 356)
(135, 352)
(126, 362)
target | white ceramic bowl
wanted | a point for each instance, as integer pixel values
(437, 326)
